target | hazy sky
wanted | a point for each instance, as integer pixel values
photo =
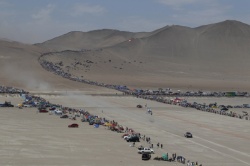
(32, 21)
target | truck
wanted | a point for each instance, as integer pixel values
(145, 150)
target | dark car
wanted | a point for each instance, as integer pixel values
(64, 116)
(91, 122)
(133, 139)
(52, 108)
(74, 125)
(146, 156)
(188, 135)
(224, 109)
(140, 147)
(139, 106)
(6, 104)
(43, 111)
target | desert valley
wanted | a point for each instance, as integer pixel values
(160, 84)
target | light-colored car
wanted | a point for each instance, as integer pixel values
(127, 137)
(27, 105)
(146, 150)
(58, 112)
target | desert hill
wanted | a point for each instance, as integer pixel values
(20, 68)
(76, 40)
(214, 55)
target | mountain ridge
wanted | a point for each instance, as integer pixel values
(210, 56)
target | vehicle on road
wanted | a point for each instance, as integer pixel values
(188, 135)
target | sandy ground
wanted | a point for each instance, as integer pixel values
(30, 138)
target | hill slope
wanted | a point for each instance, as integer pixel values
(19, 67)
(214, 56)
(88, 40)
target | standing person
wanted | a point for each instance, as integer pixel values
(152, 145)
(158, 144)
(161, 146)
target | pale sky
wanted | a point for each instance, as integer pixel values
(34, 21)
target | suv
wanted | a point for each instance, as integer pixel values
(133, 139)
(188, 135)
(64, 116)
(146, 150)
(146, 156)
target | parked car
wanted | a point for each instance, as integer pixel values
(58, 112)
(133, 139)
(127, 137)
(224, 109)
(139, 106)
(146, 156)
(140, 147)
(43, 111)
(146, 150)
(6, 104)
(91, 122)
(84, 120)
(27, 105)
(64, 116)
(73, 125)
(52, 108)
(188, 135)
